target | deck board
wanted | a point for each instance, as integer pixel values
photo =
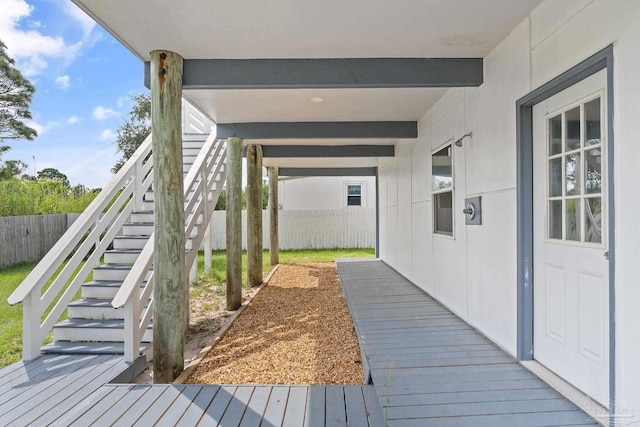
(430, 368)
(197, 408)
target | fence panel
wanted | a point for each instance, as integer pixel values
(29, 238)
(327, 229)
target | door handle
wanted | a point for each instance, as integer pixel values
(606, 255)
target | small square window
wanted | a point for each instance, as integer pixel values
(354, 194)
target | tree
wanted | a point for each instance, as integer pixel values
(135, 129)
(16, 93)
(11, 169)
(54, 175)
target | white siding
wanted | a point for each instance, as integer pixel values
(475, 273)
(317, 193)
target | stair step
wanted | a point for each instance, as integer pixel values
(142, 216)
(121, 256)
(111, 330)
(93, 308)
(101, 289)
(137, 228)
(112, 272)
(76, 347)
(130, 242)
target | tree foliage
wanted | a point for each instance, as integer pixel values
(16, 93)
(134, 130)
(24, 197)
(12, 169)
(54, 175)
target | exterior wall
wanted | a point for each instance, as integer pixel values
(474, 273)
(318, 193)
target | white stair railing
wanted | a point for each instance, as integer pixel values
(202, 187)
(52, 284)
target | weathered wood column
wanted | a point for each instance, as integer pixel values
(254, 214)
(234, 223)
(273, 215)
(169, 305)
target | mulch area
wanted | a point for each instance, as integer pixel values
(297, 330)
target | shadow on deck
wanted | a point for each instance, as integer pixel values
(430, 368)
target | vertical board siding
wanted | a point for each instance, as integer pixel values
(29, 238)
(326, 229)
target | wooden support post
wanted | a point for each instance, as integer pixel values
(254, 214)
(273, 215)
(169, 273)
(234, 223)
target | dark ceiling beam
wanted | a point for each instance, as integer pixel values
(310, 151)
(319, 130)
(327, 171)
(329, 73)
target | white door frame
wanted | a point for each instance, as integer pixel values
(524, 153)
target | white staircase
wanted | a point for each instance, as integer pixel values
(112, 313)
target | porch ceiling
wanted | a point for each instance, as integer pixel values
(290, 29)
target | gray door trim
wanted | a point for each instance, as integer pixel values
(524, 152)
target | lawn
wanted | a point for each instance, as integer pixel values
(11, 316)
(10, 278)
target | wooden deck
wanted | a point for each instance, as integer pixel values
(426, 367)
(430, 368)
(75, 390)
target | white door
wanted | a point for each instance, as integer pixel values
(571, 270)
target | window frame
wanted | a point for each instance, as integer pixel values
(362, 194)
(582, 197)
(449, 189)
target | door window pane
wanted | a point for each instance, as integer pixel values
(443, 212)
(573, 220)
(592, 122)
(593, 168)
(441, 169)
(555, 135)
(555, 177)
(575, 173)
(555, 219)
(572, 174)
(572, 126)
(593, 220)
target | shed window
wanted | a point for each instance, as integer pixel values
(442, 190)
(354, 194)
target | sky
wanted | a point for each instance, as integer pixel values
(84, 81)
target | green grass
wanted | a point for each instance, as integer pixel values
(11, 316)
(218, 273)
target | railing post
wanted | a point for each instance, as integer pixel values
(31, 316)
(138, 192)
(131, 324)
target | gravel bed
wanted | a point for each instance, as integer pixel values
(297, 330)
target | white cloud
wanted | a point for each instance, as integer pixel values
(40, 128)
(73, 120)
(63, 82)
(107, 135)
(85, 21)
(32, 49)
(103, 113)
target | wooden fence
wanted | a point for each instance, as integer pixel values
(29, 238)
(326, 229)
